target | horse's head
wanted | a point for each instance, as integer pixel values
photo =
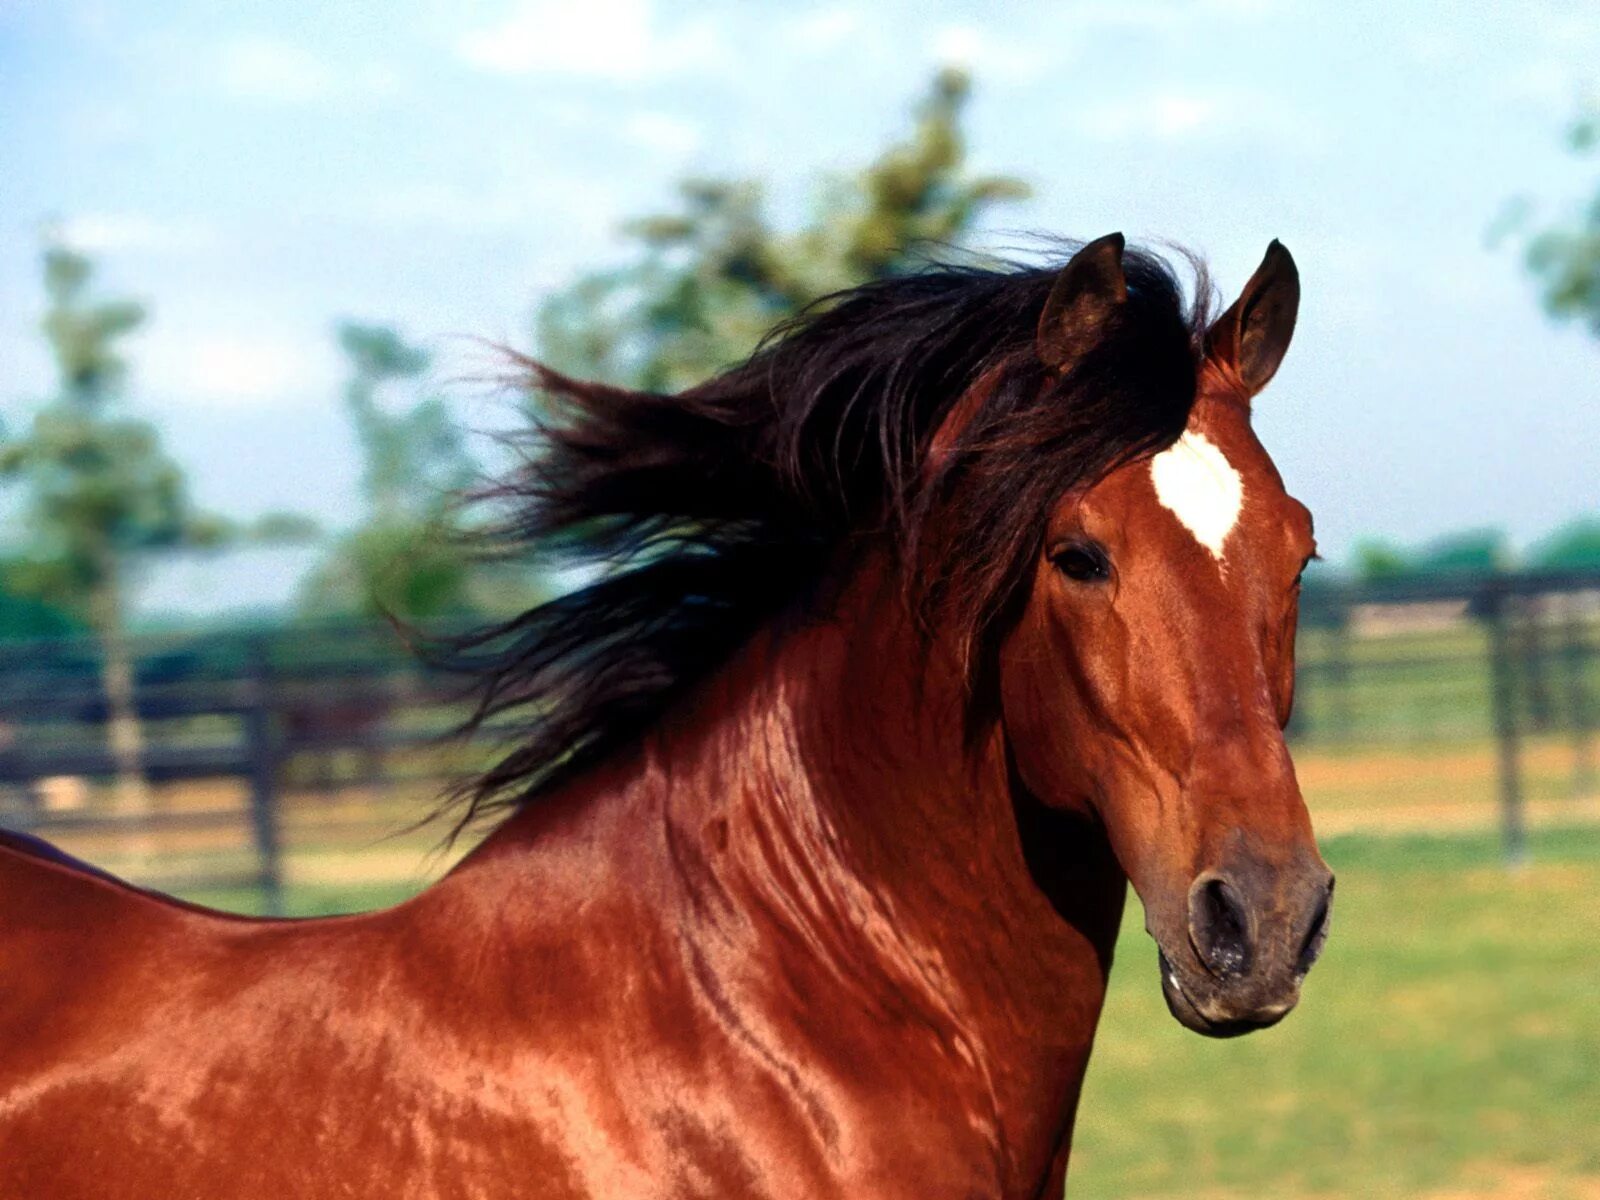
(1150, 676)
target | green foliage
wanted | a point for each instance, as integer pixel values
(711, 279)
(414, 454)
(400, 561)
(1472, 551)
(23, 616)
(84, 335)
(1374, 560)
(1573, 547)
(392, 567)
(282, 529)
(96, 486)
(1565, 258)
(411, 557)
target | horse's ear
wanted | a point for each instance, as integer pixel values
(1251, 338)
(1086, 292)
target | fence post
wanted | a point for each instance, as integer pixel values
(1535, 683)
(1341, 705)
(1576, 650)
(1502, 672)
(1309, 684)
(263, 751)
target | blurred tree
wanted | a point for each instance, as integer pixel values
(97, 492)
(1379, 560)
(408, 558)
(24, 616)
(280, 529)
(1573, 547)
(712, 279)
(1565, 258)
(1472, 551)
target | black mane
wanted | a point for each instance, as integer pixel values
(705, 513)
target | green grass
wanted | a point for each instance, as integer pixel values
(1449, 1038)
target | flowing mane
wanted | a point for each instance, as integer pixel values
(704, 515)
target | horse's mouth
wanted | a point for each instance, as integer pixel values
(1188, 1014)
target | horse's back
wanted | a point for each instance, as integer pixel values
(68, 934)
(150, 1048)
(44, 888)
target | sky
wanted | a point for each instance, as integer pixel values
(258, 170)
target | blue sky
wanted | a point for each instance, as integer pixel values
(258, 170)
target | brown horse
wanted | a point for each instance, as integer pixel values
(967, 600)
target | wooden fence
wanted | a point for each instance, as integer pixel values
(242, 730)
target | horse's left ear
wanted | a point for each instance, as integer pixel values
(1085, 294)
(1251, 338)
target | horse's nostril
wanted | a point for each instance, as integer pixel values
(1316, 932)
(1219, 927)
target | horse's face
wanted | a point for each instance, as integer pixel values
(1150, 678)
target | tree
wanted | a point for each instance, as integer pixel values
(24, 617)
(710, 280)
(1565, 258)
(1468, 552)
(98, 493)
(1379, 560)
(407, 558)
(1575, 546)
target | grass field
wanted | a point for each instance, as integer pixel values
(1447, 1048)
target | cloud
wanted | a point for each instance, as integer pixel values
(1164, 115)
(234, 370)
(113, 232)
(1170, 20)
(580, 205)
(825, 28)
(990, 55)
(1179, 115)
(272, 71)
(663, 133)
(622, 41)
(1547, 83)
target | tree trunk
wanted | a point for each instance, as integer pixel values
(124, 734)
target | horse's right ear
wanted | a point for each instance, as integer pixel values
(1085, 294)
(1250, 339)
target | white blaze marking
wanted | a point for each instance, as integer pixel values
(1197, 482)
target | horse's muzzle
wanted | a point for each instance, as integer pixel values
(1247, 951)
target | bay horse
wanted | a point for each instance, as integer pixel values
(964, 602)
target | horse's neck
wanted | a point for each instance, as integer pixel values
(817, 800)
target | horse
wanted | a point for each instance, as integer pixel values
(966, 601)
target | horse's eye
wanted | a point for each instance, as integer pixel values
(1084, 563)
(1301, 575)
